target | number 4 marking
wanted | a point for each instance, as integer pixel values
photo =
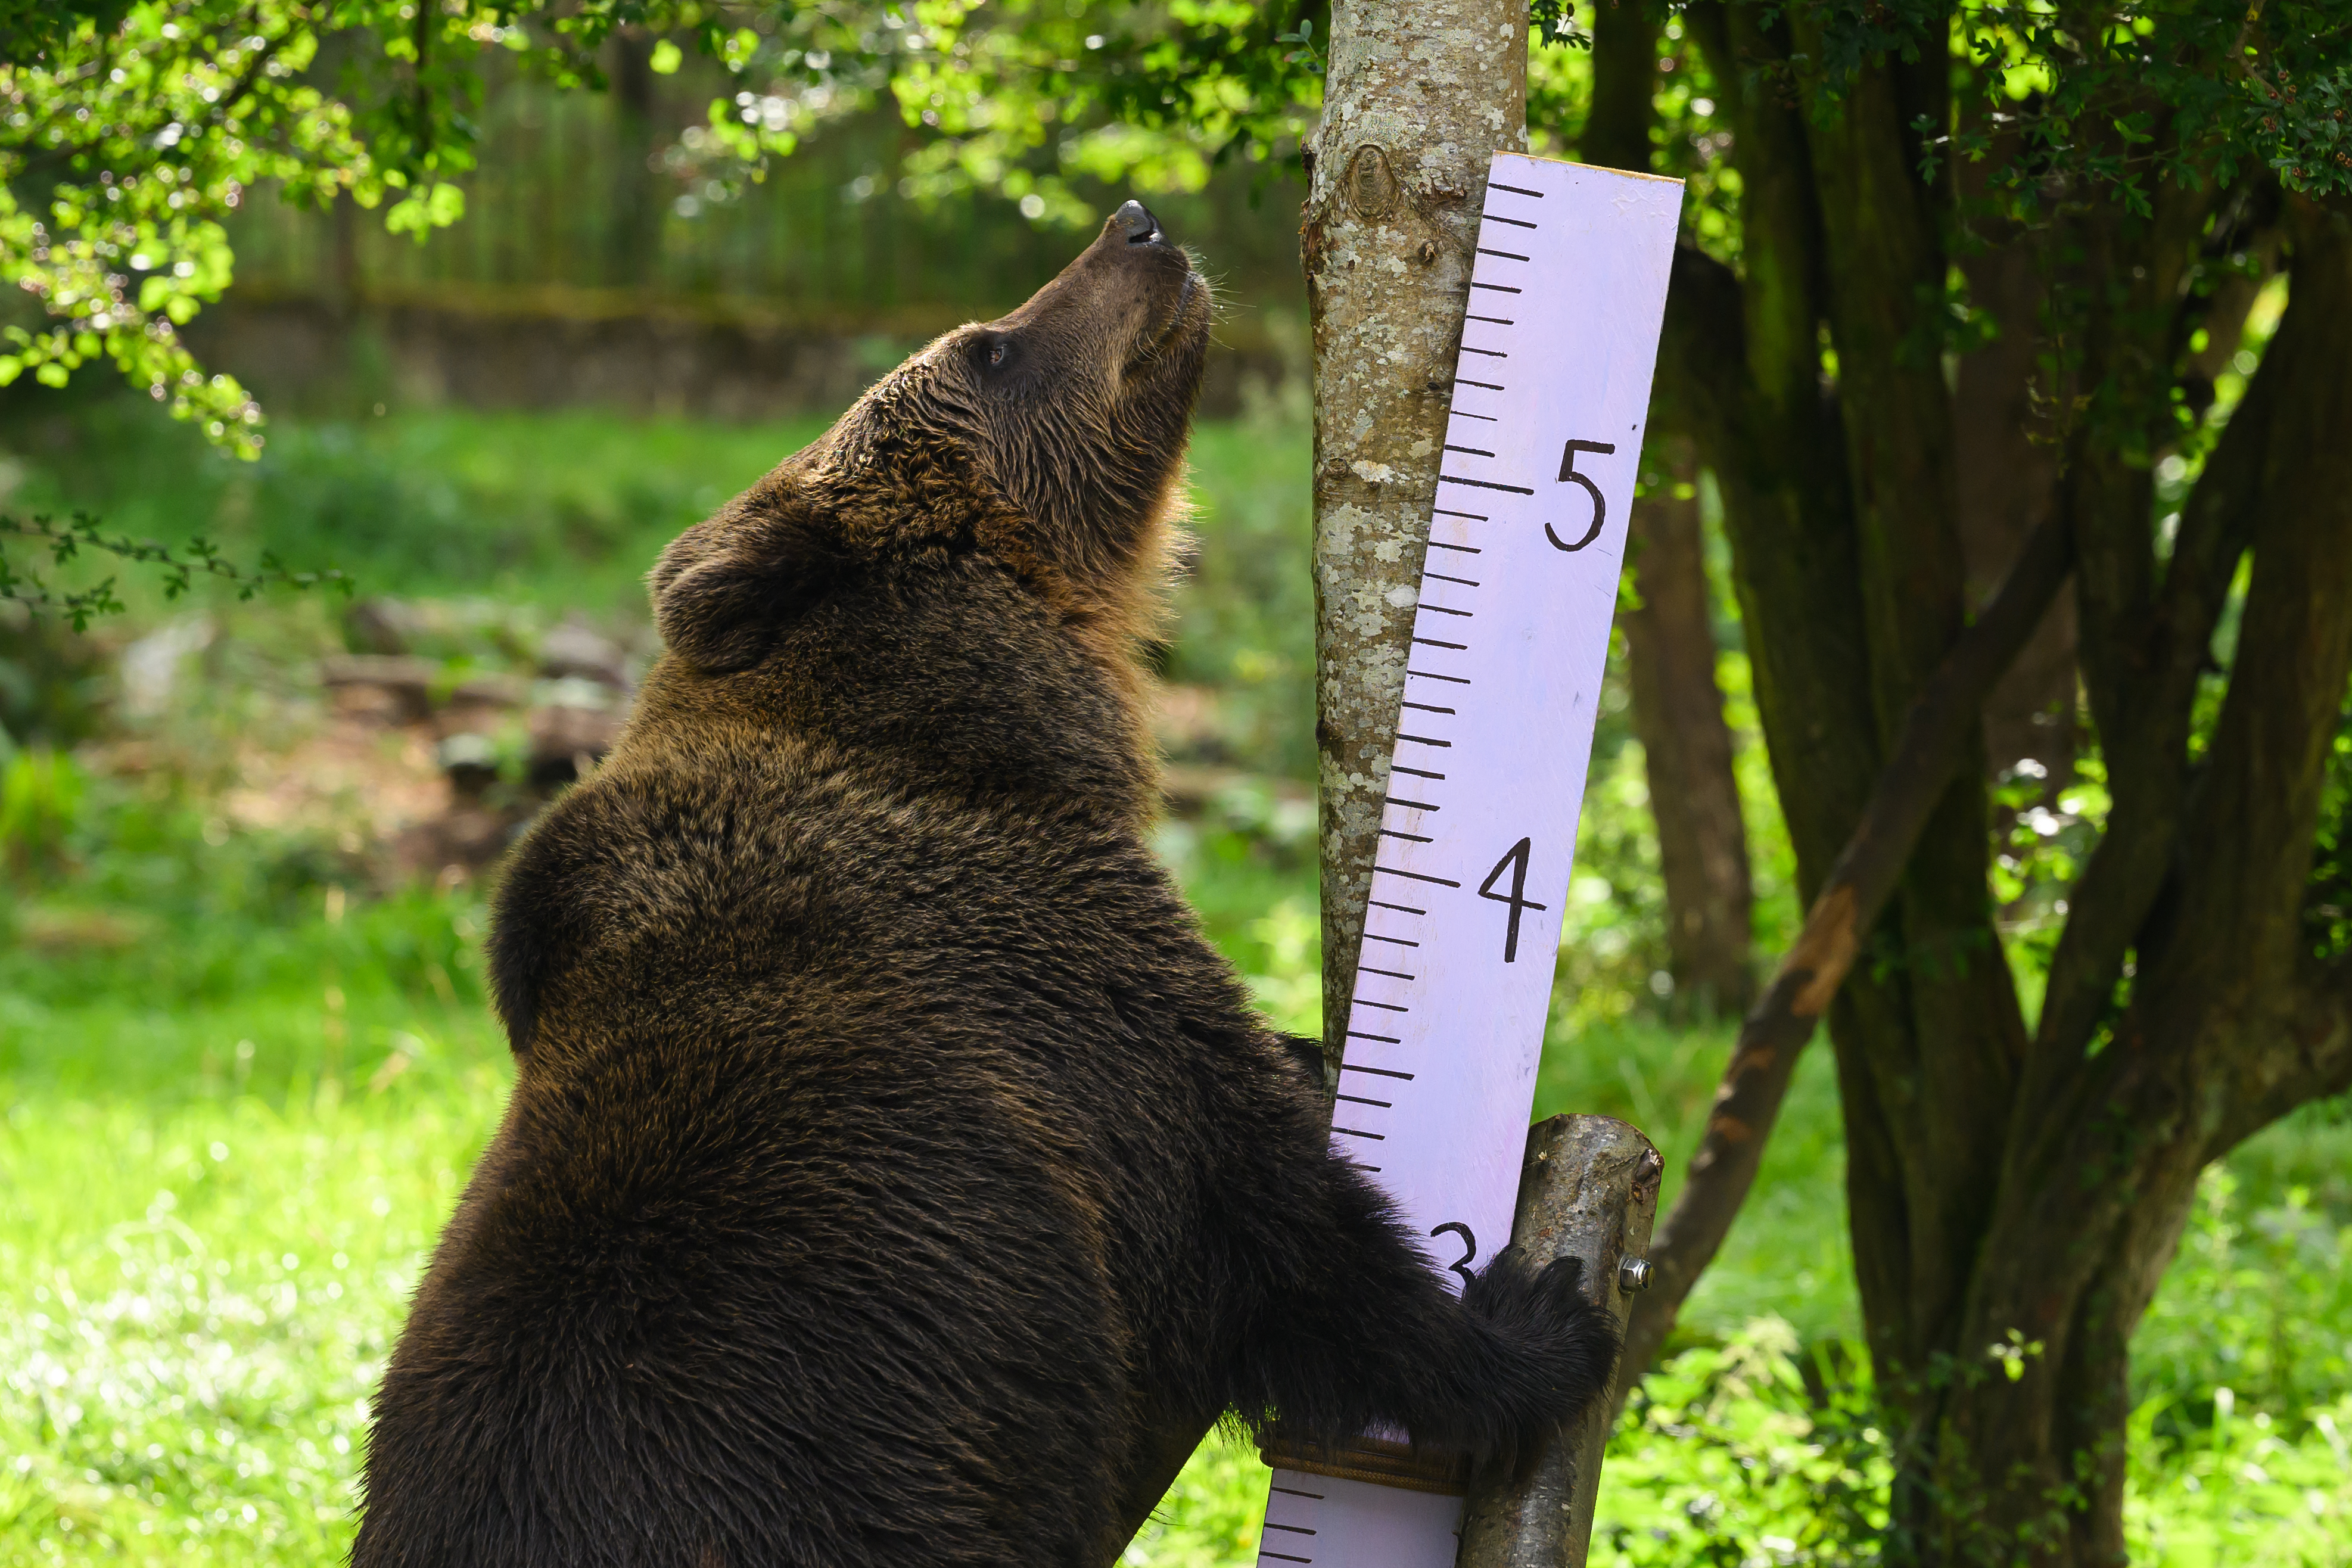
(1518, 862)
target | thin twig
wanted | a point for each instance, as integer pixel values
(65, 541)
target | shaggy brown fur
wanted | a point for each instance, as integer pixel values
(892, 1165)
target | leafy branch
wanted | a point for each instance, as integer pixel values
(179, 570)
(1555, 21)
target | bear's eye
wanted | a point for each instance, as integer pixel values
(992, 353)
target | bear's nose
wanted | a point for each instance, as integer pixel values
(1136, 219)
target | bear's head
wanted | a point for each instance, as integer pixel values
(1049, 443)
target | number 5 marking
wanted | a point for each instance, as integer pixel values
(1568, 476)
(1516, 859)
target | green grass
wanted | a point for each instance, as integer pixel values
(553, 510)
(199, 1300)
(242, 1093)
(219, 1174)
(210, 1214)
(567, 511)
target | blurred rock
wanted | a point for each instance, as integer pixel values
(388, 686)
(150, 667)
(471, 761)
(566, 742)
(561, 743)
(576, 691)
(579, 652)
(1189, 722)
(504, 742)
(442, 628)
(456, 843)
(382, 626)
(496, 689)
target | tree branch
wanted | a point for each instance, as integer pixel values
(1625, 78)
(2254, 814)
(2309, 1058)
(1702, 362)
(67, 541)
(1934, 737)
(2119, 886)
(2117, 403)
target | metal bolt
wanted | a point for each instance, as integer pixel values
(1633, 1275)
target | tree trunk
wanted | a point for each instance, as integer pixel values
(1999, 1182)
(1587, 1190)
(1686, 746)
(1669, 641)
(2229, 1020)
(2008, 470)
(1416, 101)
(1747, 1101)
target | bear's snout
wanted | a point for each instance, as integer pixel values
(1142, 228)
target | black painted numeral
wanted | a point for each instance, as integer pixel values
(1517, 861)
(1568, 476)
(1469, 1247)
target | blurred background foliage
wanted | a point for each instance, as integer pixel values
(244, 1055)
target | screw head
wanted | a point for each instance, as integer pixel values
(1633, 1275)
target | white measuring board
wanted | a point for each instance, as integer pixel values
(1550, 395)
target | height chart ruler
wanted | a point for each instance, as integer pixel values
(1527, 534)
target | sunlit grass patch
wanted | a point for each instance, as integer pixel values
(1211, 1517)
(195, 1308)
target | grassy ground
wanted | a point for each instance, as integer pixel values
(241, 1095)
(210, 1214)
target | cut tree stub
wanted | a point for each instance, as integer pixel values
(1589, 1191)
(1417, 100)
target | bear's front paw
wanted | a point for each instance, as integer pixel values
(1565, 1345)
(1511, 1291)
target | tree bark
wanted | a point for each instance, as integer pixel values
(1670, 640)
(2007, 467)
(1931, 1089)
(1686, 748)
(1416, 101)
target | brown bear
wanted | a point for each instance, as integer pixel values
(894, 1173)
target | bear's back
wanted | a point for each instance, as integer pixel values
(826, 1096)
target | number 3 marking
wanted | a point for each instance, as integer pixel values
(1469, 1247)
(1568, 476)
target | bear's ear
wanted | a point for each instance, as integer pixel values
(726, 587)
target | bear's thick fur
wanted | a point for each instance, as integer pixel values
(892, 1166)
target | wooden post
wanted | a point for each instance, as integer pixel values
(1588, 1190)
